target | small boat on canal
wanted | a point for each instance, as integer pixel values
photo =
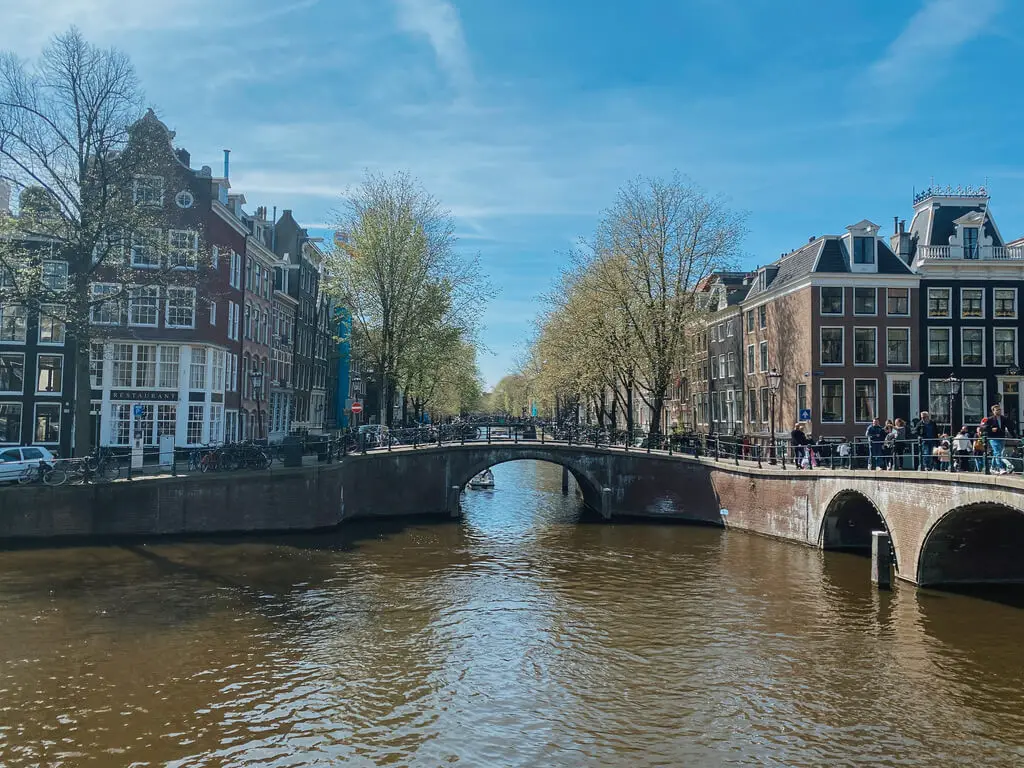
(483, 481)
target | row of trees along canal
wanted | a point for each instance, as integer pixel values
(616, 325)
(71, 152)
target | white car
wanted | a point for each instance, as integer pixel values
(14, 461)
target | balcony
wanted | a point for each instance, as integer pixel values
(956, 253)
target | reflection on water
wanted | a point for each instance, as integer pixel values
(522, 635)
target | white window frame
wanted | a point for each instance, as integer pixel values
(984, 399)
(972, 317)
(762, 316)
(60, 280)
(842, 345)
(1013, 330)
(865, 288)
(910, 353)
(21, 422)
(842, 301)
(167, 306)
(95, 308)
(35, 421)
(751, 366)
(928, 346)
(213, 313)
(1016, 311)
(874, 363)
(131, 306)
(156, 235)
(877, 410)
(192, 252)
(821, 401)
(35, 378)
(949, 304)
(762, 356)
(135, 190)
(214, 257)
(16, 391)
(984, 354)
(897, 314)
(53, 318)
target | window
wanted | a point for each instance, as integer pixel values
(865, 301)
(732, 364)
(801, 399)
(972, 346)
(169, 367)
(831, 301)
(730, 328)
(248, 320)
(197, 375)
(863, 250)
(897, 346)
(123, 357)
(762, 316)
(1005, 342)
(938, 302)
(832, 401)
(120, 423)
(166, 420)
(214, 257)
(194, 428)
(864, 346)
(973, 401)
(1006, 303)
(970, 236)
(10, 422)
(721, 366)
(213, 313)
(865, 400)
(752, 406)
(217, 385)
(764, 356)
(714, 369)
(144, 306)
(750, 357)
(938, 401)
(972, 302)
(148, 190)
(145, 365)
(897, 302)
(831, 346)
(47, 423)
(181, 307)
(216, 423)
(96, 365)
(48, 377)
(939, 347)
(13, 321)
(234, 270)
(51, 330)
(55, 275)
(764, 405)
(184, 249)
(12, 372)
(144, 424)
(750, 322)
(104, 311)
(146, 248)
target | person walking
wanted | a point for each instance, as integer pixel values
(798, 439)
(876, 441)
(927, 434)
(997, 430)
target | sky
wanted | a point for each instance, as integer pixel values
(525, 117)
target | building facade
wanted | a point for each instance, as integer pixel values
(282, 338)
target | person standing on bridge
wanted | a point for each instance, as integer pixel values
(876, 444)
(927, 434)
(798, 439)
(997, 429)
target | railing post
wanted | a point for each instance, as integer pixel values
(783, 453)
(389, 441)
(670, 445)
(542, 435)
(416, 439)
(129, 466)
(718, 448)
(515, 435)
(488, 429)
(920, 454)
(988, 462)
(736, 453)
(439, 436)
(757, 447)
(174, 462)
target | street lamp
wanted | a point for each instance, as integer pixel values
(953, 389)
(774, 380)
(256, 379)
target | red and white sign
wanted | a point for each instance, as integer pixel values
(357, 407)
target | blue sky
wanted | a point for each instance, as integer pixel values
(525, 117)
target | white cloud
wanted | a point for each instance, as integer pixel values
(932, 37)
(439, 22)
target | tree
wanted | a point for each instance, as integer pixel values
(653, 247)
(72, 149)
(399, 273)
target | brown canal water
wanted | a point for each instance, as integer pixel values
(519, 636)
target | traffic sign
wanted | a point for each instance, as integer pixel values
(357, 407)
(137, 410)
(805, 414)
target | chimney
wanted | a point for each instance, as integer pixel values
(227, 163)
(184, 157)
(810, 239)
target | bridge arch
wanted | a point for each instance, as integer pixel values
(589, 484)
(849, 519)
(977, 543)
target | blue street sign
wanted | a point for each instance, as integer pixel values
(137, 410)
(805, 414)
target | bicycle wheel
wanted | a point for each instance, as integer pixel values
(55, 476)
(30, 475)
(108, 470)
(259, 460)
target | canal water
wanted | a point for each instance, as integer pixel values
(518, 636)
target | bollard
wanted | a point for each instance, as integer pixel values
(174, 463)
(881, 560)
(565, 481)
(454, 507)
(606, 503)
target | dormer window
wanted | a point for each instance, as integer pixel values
(863, 250)
(970, 236)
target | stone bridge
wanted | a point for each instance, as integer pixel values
(946, 528)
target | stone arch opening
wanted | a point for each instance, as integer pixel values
(977, 543)
(589, 487)
(848, 522)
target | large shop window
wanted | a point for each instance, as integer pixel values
(10, 422)
(12, 372)
(47, 423)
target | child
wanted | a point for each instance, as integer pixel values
(941, 455)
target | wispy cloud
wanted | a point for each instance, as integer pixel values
(932, 37)
(439, 22)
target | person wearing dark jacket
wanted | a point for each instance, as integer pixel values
(928, 434)
(997, 429)
(876, 442)
(798, 439)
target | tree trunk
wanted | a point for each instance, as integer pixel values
(656, 408)
(629, 409)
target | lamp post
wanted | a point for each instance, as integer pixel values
(256, 379)
(774, 380)
(953, 389)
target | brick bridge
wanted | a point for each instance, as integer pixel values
(945, 528)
